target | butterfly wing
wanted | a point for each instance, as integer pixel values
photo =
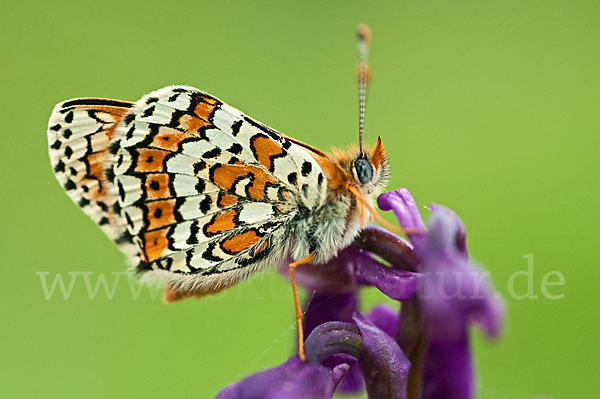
(206, 194)
(79, 133)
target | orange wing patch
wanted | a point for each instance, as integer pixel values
(150, 160)
(157, 186)
(223, 221)
(227, 200)
(264, 149)
(96, 161)
(225, 176)
(155, 243)
(96, 167)
(169, 139)
(204, 110)
(160, 213)
(192, 124)
(241, 242)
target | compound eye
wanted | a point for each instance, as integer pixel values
(364, 170)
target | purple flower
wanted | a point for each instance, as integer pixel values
(453, 294)
(331, 348)
(385, 318)
(383, 364)
(422, 351)
(335, 286)
(293, 379)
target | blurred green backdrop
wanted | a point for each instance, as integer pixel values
(490, 108)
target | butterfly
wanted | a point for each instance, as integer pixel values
(200, 196)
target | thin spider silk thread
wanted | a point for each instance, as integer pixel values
(284, 333)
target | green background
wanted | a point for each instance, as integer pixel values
(488, 107)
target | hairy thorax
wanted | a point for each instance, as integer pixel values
(326, 230)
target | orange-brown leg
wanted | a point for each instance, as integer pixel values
(292, 266)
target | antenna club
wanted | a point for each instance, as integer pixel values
(365, 73)
(364, 34)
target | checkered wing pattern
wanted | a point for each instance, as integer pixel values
(79, 134)
(192, 184)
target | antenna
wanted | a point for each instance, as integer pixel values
(364, 39)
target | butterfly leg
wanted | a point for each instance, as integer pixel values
(292, 266)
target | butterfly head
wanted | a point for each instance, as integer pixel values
(370, 169)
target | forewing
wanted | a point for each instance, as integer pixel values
(79, 134)
(202, 187)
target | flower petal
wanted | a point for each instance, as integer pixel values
(336, 343)
(353, 381)
(336, 276)
(332, 338)
(293, 379)
(391, 248)
(461, 232)
(386, 318)
(443, 238)
(384, 366)
(453, 294)
(403, 205)
(454, 291)
(324, 307)
(448, 372)
(340, 374)
(397, 284)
